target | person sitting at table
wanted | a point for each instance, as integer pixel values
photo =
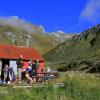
(41, 76)
(25, 66)
(27, 75)
(26, 71)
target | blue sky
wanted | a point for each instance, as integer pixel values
(70, 16)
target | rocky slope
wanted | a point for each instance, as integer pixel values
(17, 31)
(81, 52)
(21, 23)
(62, 36)
(14, 30)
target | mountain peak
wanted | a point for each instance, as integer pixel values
(20, 23)
(14, 17)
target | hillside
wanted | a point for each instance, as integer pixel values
(17, 31)
(81, 52)
(62, 36)
(14, 30)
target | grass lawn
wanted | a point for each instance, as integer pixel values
(78, 86)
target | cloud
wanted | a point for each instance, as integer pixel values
(20, 23)
(88, 17)
(91, 12)
(11, 20)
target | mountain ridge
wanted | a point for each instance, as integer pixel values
(81, 51)
(17, 31)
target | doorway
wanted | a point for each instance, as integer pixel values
(4, 61)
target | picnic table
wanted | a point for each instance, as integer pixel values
(45, 76)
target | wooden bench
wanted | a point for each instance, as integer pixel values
(42, 76)
(45, 76)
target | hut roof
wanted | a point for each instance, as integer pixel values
(13, 52)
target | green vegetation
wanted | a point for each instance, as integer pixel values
(78, 86)
(41, 41)
(79, 53)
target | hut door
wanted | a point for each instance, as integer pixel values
(13, 65)
(4, 61)
(0, 67)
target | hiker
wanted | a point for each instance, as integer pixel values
(27, 71)
(37, 65)
(12, 70)
(35, 69)
(6, 72)
(0, 69)
(19, 66)
(24, 67)
(28, 76)
(16, 80)
(30, 66)
(12, 75)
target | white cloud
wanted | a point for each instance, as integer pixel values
(17, 22)
(91, 12)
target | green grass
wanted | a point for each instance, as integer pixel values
(74, 53)
(78, 86)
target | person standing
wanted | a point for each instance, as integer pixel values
(12, 70)
(36, 65)
(34, 69)
(19, 66)
(0, 69)
(5, 71)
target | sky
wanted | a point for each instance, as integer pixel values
(70, 16)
